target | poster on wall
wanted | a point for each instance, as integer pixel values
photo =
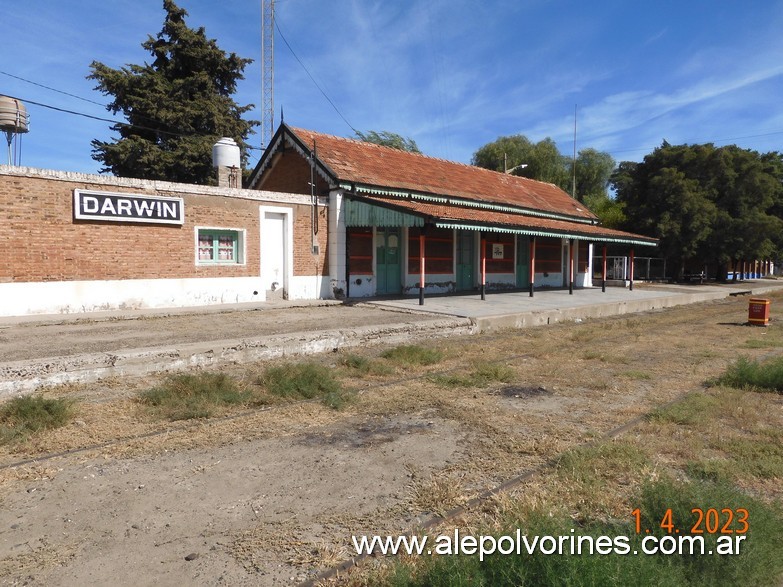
(112, 207)
(498, 252)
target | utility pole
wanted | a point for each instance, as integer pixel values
(268, 71)
(573, 189)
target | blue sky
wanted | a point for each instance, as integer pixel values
(451, 74)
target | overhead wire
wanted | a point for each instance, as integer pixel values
(310, 75)
(113, 121)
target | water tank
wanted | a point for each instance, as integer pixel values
(13, 116)
(225, 153)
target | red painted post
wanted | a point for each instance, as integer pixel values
(630, 272)
(421, 268)
(571, 262)
(603, 272)
(483, 269)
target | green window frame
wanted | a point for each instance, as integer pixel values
(216, 246)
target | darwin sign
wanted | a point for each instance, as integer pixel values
(89, 205)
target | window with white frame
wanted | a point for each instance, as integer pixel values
(217, 246)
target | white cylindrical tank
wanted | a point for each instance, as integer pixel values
(13, 116)
(225, 153)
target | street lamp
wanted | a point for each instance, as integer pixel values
(520, 166)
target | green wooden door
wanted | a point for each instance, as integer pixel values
(466, 262)
(523, 261)
(387, 261)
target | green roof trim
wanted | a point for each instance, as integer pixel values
(545, 233)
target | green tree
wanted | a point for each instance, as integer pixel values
(610, 212)
(177, 107)
(543, 161)
(706, 204)
(593, 170)
(389, 139)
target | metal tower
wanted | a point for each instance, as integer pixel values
(268, 71)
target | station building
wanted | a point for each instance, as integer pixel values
(324, 217)
(399, 221)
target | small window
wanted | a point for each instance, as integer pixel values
(219, 247)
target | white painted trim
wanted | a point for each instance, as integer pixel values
(68, 297)
(88, 181)
(288, 214)
(241, 245)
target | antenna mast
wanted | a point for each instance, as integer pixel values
(268, 71)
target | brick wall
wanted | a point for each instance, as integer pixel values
(42, 242)
(290, 173)
(305, 262)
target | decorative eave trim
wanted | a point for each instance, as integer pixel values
(462, 202)
(544, 233)
(285, 133)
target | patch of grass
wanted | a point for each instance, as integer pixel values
(413, 355)
(187, 396)
(362, 366)
(482, 374)
(690, 411)
(305, 381)
(24, 416)
(755, 457)
(605, 358)
(638, 375)
(753, 375)
(758, 563)
(714, 470)
(589, 465)
(771, 337)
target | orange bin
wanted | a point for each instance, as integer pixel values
(758, 311)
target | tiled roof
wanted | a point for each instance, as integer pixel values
(367, 164)
(445, 214)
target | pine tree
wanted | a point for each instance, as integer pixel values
(176, 108)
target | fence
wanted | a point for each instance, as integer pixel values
(644, 268)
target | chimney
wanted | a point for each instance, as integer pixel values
(226, 159)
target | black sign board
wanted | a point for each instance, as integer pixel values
(90, 205)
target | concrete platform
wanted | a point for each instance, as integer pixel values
(519, 310)
(47, 350)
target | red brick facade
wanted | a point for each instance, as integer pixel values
(44, 243)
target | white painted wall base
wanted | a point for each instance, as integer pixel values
(67, 297)
(309, 287)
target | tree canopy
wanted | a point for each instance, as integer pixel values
(544, 162)
(177, 107)
(389, 139)
(705, 203)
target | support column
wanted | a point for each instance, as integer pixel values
(603, 271)
(571, 261)
(630, 271)
(483, 267)
(337, 246)
(421, 266)
(532, 264)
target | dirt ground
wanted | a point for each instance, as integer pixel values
(272, 495)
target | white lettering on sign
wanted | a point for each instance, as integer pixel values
(90, 204)
(111, 207)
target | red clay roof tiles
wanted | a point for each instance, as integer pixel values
(368, 164)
